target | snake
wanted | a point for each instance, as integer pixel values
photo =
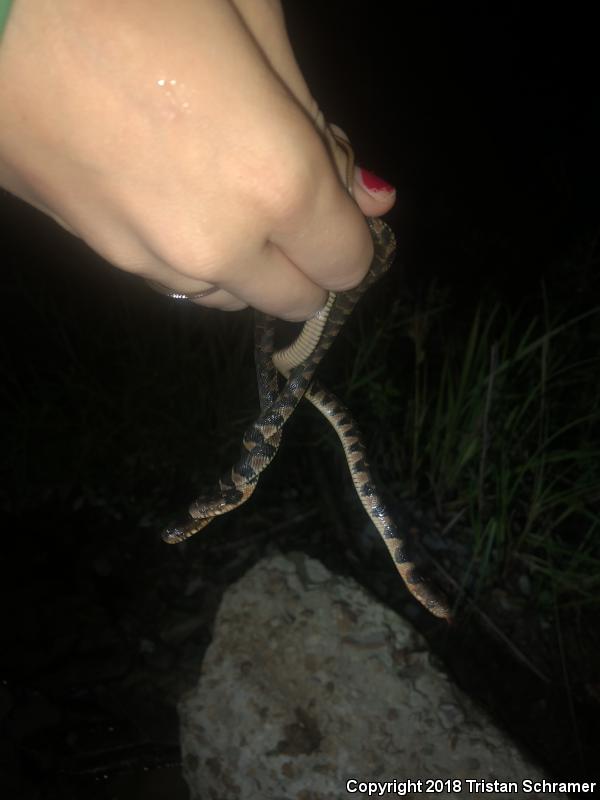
(297, 364)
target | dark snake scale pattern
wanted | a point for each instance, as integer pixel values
(262, 439)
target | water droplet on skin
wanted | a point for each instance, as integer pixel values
(175, 97)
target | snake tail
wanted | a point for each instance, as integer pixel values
(348, 433)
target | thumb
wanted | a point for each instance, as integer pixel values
(374, 195)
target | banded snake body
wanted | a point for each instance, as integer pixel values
(297, 363)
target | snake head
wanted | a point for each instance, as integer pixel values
(175, 534)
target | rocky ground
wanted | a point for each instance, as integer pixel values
(105, 627)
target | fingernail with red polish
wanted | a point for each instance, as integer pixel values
(373, 183)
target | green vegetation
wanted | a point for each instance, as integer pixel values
(496, 421)
(492, 419)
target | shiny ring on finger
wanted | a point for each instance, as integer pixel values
(175, 294)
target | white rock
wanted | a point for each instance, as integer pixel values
(310, 683)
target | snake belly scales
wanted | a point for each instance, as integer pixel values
(297, 363)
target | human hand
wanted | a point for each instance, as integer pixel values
(180, 141)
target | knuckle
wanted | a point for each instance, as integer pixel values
(289, 192)
(195, 256)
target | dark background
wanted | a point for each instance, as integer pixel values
(484, 116)
(486, 119)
